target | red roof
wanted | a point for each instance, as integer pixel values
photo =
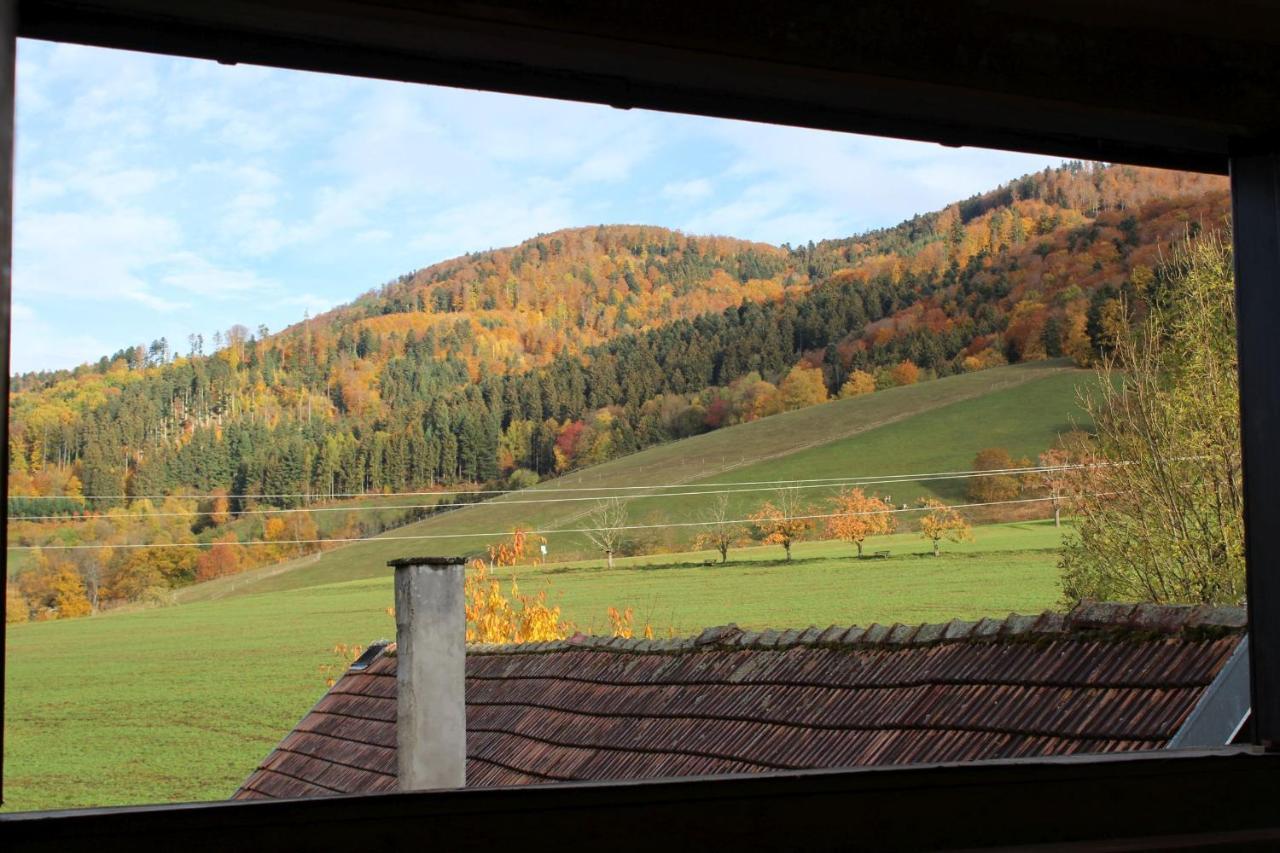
(1104, 678)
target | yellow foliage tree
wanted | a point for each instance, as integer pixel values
(16, 607)
(802, 387)
(69, 597)
(497, 617)
(622, 624)
(859, 382)
(943, 522)
(860, 516)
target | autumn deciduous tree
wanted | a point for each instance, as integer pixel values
(54, 589)
(802, 387)
(622, 623)
(16, 608)
(994, 487)
(1056, 479)
(136, 573)
(222, 559)
(69, 596)
(859, 382)
(942, 522)
(782, 524)
(1162, 519)
(497, 617)
(719, 531)
(218, 508)
(604, 524)
(512, 550)
(860, 516)
(905, 373)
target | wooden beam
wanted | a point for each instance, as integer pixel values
(1046, 78)
(1255, 201)
(980, 804)
(8, 56)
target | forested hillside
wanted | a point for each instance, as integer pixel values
(575, 347)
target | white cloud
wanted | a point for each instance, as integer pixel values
(37, 344)
(202, 195)
(312, 303)
(100, 256)
(492, 223)
(692, 190)
(191, 273)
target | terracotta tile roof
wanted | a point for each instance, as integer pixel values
(1104, 678)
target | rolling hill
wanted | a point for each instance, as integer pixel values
(924, 428)
(545, 359)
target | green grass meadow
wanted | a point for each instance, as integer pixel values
(929, 427)
(180, 703)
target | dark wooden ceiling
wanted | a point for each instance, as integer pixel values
(1162, 82)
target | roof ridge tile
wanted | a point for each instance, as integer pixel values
(900, 634)
(832, 634)
(1089, 618)
(874, 634)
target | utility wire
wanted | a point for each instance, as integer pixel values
(312, 495)
(769, 485)
(444, 507)
(433, 536)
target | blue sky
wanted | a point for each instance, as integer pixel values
(160, 197)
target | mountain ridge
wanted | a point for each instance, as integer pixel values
(581, 345)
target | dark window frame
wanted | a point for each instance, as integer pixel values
(1221, 792)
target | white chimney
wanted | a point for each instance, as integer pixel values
(431, 669)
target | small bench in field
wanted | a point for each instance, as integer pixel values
(881, 555)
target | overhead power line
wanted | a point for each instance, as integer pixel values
(753, 486)
(313, 495)
(548, 532)
(516, 502)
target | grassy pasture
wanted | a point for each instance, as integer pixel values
(180, 703)
(930, 427)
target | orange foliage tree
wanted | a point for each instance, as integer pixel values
(905, 373)
(943, 522)
(860, 516)
(782, 524)
(224, 558)
(995, 487)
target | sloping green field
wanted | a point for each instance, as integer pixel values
(930, 427)
(181, 703)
